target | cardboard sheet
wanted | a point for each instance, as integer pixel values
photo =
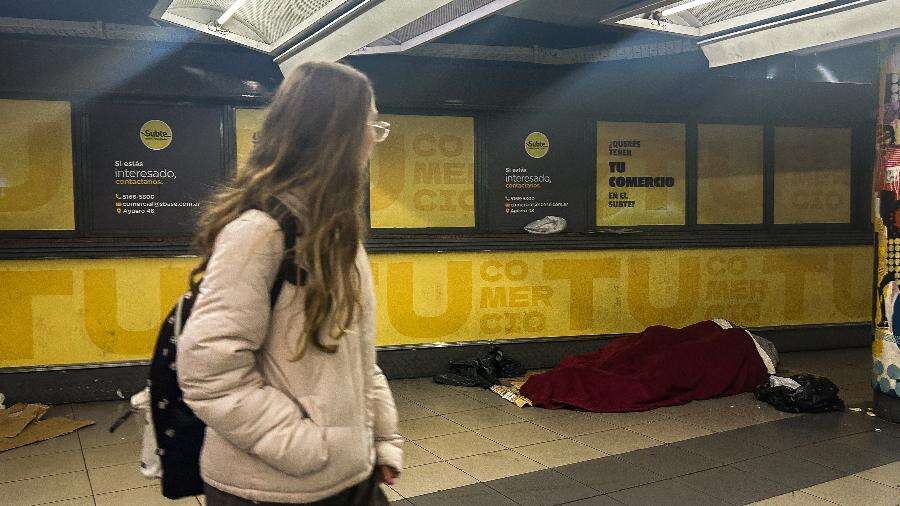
(43, 430)
(14, 420)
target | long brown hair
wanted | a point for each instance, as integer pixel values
(309, 147)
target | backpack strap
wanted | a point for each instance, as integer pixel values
(288, 271)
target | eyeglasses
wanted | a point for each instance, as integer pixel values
(382, 129)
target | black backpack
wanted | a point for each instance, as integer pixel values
(179, 433)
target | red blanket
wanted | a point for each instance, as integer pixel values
(661, 366)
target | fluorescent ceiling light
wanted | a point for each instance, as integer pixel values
(684, 7)
(230, 12)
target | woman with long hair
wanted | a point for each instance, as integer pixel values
(297, 411)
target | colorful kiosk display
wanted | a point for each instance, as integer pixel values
(886, 346)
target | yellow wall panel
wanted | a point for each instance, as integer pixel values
(730, 174)
(85, 311)
(423, 175)
(642, 152)
(246, 122)
(812, 175)
(36, 190)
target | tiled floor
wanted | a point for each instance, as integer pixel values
(469, 447)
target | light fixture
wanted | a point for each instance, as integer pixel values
(230, 11)
(683, 7)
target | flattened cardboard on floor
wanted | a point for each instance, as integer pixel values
(14, 420)
(43, 430)
(512, 395)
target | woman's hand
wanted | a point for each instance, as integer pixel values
(387, 474)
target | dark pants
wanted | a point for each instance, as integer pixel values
(367, 493)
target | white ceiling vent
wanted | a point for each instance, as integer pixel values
(294, 31)
(853, 23)
(732, 31)
(702, 18)
(446, 19)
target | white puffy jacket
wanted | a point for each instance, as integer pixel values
(280, 430)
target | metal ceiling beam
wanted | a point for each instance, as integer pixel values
(439, 31)
(856, 20)
(355, 30)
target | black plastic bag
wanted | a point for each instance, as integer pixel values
(815, 395)
(482, 371)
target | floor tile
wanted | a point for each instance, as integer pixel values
(774, 436)
(823, 426)
(789, 470)
(67, 443)
(40, 465)
(47, 489)
(490, 398)
(598, 500)
(418, 388)
(668, 461)
(542, 488)
(430, 478)
(723, 447)
(455, 446)
(888, 474)
(519, 434)
(634, 418)
(671, 430)
(101, 412)
(496, 465)
(576, 424)
(449, 404)
(856, 394)
(117, 478)
(734, 485)
(665, 492)
(99, 434)
(59, 411)
(432, 426)
(874, 442)
(414, 455)
(82, 501)
(845, 458)
(478, 494)
(408, 410)
(532, 414)
(483, 418)
(112, 455)
(560, 453)
(719, 421)
(612, 442)
(608, 474)
(794, 499)
(390, 493)
(147, 496)
(853, 491)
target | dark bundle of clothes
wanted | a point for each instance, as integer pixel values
(803, 393)
(482, 371)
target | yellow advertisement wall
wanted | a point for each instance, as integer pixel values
(36, 166)
(85, 311)
(640, 151)
(246, 123)
(812, 175)
(730, 174)
(423, 175)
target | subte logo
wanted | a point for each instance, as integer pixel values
(156, 134)
(537, 145)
